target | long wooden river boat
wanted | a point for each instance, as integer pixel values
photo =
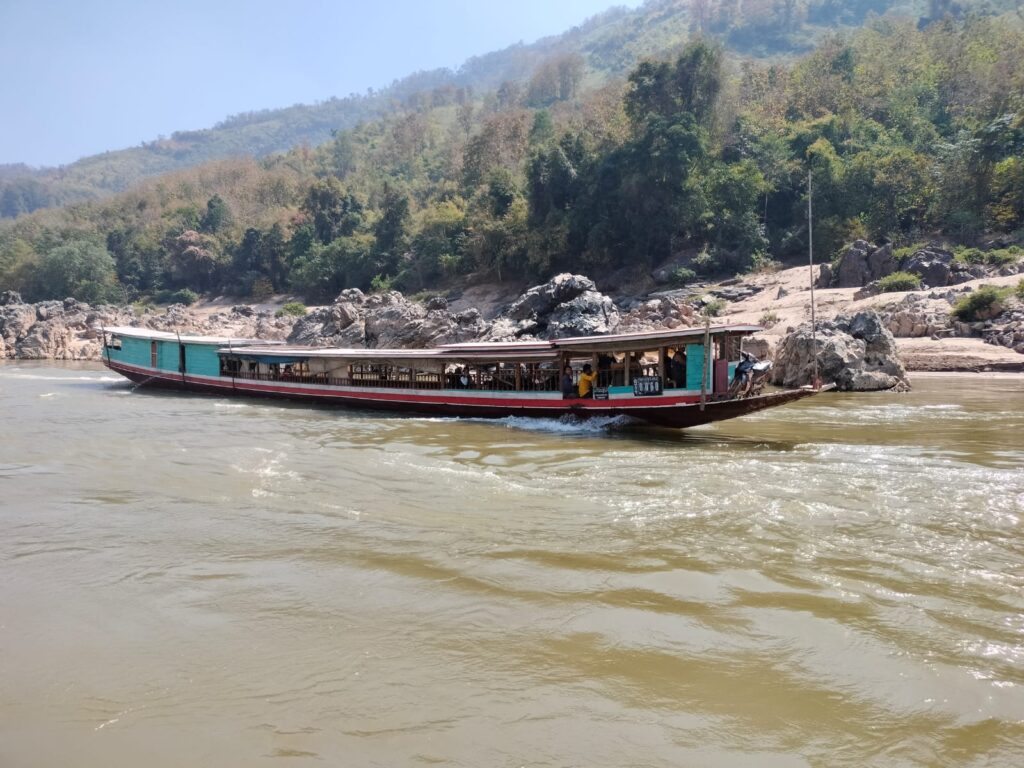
(674, 378)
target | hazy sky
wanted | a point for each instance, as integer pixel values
(85, 76)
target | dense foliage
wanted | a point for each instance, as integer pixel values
(699, 158)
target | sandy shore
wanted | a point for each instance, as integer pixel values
(793, 307)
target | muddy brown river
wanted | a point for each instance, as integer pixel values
(196, 581)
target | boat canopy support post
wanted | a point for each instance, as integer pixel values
(815, 380)
(704, 365)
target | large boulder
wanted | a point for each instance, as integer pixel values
(856, 352)
(567, 305)
(50, 339)
(541, 300)
(932, 264)
(860, 264)
(15, 321)
(589, 314)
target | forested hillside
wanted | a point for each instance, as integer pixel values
(604, 47)
(911, 127)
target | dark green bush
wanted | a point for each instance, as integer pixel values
(293, 308)
(682, 276)
(183, 296)
(900, 281)
(997, 257)
(984, 302)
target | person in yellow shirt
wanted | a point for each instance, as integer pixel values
(587, 381)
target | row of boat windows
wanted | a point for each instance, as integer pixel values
(537, 377)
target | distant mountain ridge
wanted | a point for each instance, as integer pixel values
(608, 44)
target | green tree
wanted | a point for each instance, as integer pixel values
(79, 268)
(217, 216)
(392, 231)
(334, 212)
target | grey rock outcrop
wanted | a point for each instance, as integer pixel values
(384, 320)
(859, 264)
(541, 300)
(1006, 329)
(863, 264)
(58, 330)
(589, 314)
(666, 310)
(567, 305)
(913, 317)
(934, 265)
(855, 352)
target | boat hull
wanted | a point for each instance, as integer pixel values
(668, 411)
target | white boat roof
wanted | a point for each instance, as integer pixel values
(149, 333)
(300, 351)
(490, 351)
(661, 337)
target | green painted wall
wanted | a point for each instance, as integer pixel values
(694, 366)
(132, 352)
(202, 359)
(167, 355)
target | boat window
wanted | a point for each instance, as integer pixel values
(230, 365)
(113, 342)
(732, 347)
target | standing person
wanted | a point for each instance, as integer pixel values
(568, 385)
(588, 379)
(677, 369)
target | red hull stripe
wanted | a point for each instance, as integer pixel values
(245, 385)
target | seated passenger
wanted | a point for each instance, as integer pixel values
(588, 379)
(464, 381)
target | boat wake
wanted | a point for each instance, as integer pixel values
(567, 425)
(36, 377)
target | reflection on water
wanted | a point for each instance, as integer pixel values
(194, 580)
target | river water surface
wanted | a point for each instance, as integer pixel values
(189, 580)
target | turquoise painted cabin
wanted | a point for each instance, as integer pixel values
(195, 355)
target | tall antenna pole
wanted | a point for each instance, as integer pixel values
(810, 252)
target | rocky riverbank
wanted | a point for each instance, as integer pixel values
(861, 341)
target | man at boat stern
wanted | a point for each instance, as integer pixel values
(587, 380)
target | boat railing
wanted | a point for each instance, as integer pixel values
(616, 375)
(503, 381)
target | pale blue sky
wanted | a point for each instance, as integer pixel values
(85, 76)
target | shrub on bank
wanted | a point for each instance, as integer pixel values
(683, 276)
(184, 296)
(997, 257)
(293, 308)
(899, 281)
(981, 304)
(901, 253)
(713, 307)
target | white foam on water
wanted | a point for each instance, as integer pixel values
(37, 377)
(567, 425)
